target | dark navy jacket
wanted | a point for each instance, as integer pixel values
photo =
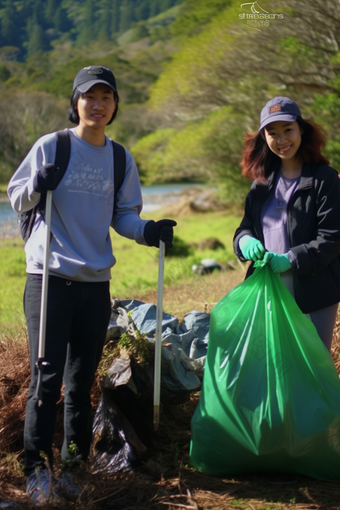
(313, 224)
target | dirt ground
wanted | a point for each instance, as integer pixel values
(163, 478)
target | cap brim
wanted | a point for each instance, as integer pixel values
(286, 117)
(84, 87)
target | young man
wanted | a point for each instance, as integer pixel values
(84, 206)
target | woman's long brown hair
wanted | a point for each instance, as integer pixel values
(258, 159)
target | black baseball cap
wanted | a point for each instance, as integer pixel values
(279, 109)
(92, 75)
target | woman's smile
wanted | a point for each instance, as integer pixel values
(283, 138)
(285, 150)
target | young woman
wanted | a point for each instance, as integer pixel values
(80, 263)
(292, 211)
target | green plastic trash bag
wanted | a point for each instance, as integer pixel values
(270, 397)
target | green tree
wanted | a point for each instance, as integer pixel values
(126, 15)
(51, 10)
(5, 73)
(154, 8)
(142, 10)
(23, 16)
(26, 10)
(104, 22)
(26, 116)
(9, 29)
(326, 109)
(115, 19)
(60, 21)
(87, 26)
(37, 42)
(38, 13)
(166, 4)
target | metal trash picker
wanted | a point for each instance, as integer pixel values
(41, 363)
(158, 340)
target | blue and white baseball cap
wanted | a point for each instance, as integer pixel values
(279, 109)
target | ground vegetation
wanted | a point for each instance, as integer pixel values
(164, 478)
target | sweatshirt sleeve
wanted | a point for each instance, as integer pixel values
(20, 188)
(126, 220)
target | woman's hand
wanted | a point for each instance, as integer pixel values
(278, 263)
(251, 248)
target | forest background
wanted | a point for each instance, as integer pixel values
(192, 76)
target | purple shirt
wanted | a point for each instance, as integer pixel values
(274, 215)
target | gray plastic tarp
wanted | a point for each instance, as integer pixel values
(184, 347)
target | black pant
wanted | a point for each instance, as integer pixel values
(78, 314)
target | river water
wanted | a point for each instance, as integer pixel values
(154, 197)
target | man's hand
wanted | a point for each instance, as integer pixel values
(159, 230)
(46, 179)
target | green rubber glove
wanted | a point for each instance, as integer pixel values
(278, 263)
(251, 248)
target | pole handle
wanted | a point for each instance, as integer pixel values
(44, 293)
(44, 288)
(158, 340)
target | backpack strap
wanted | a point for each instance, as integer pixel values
(63, 152)
(62, 158)
(119, 157)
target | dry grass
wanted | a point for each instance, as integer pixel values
(164, 479)
(196, 292)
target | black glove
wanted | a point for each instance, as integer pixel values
(159, 230)
(47, 178)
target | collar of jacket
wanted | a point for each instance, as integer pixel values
(307, 176)
(306, 180)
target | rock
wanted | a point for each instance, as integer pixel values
(212, 243)
(207, 266)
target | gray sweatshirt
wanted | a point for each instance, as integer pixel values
(82, 209)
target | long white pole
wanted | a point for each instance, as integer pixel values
(44, 294)
(158, 340)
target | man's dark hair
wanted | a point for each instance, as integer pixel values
(73, 113)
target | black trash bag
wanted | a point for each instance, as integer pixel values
(123, 423)
(125, 402)
(115, 445)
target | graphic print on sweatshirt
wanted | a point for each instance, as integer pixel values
(83, 178)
